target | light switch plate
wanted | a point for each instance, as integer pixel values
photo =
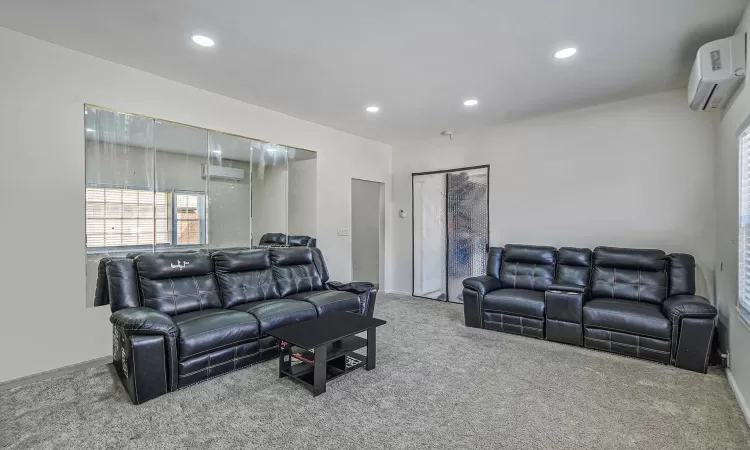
(343, 232)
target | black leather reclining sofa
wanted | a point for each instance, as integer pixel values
(181, 318)
(635, 302)
(283, 239)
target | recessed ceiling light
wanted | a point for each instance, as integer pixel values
(472, 102)
(89, 130)
(372, 109)
(565, 53)
(203, 41)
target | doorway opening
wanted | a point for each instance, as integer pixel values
(368, 231)
(450, 230)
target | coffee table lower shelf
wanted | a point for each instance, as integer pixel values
(341, 365)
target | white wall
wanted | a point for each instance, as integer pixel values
(269, 201)
(735, 334)
(365, 231)
(636, 173)
(42, 91)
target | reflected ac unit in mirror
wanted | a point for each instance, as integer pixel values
(222, 173)
(717, 72)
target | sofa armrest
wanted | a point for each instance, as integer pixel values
(677, 307)
(693, 326)
(152, 369)
(365, 290)
(482, 284)
(574, 288)
(144, 321)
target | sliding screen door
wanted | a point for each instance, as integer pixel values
(451, 230)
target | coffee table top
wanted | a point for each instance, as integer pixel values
(324, 330)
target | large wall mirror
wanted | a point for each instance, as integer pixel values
(159, 186)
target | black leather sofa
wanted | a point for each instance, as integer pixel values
(182, 318)
(636, 302)
(271, 239)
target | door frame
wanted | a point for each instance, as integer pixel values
(447, 248)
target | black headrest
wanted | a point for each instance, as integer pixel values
(630, 258)
(571, 256)
(290, 256)
(242, 260)
(173, 265)
(530, 254)
(303, 241)
(273, 238)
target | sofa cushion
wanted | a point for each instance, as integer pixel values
(294, 270)
(213, 329)
(177, 283)
(627, 316)
(245, 276)
(272, 314)
(329, 301)
(628, 273)
(528, 267)
(521, 302)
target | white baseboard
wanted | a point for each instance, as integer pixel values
(740, 398)
(398, 292)
(54, 373)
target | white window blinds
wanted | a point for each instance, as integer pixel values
(744, 228)
(117, 217)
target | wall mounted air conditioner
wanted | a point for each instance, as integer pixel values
(717, 72)
(222, 173)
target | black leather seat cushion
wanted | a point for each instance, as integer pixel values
(213, 329)
(272, 314)
(329, 301)
(627, 316)
(521, 302)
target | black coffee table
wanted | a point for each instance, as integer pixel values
(317, 351)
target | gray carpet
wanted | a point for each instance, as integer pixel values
(438, 384)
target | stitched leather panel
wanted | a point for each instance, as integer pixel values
(273, 239)
(294, 270)
(320, 264)
(510, 323)
(245, 276)
(210, 330)
(528, 267)
(559, 331)
(573, 266)
(627, 344)
(629, 274)
(329, 301)
(177, 283)
(207, 366)
(521, 302)
(175, 296)
(121, 289)
(269, 347)
(272, 314)
(643, 319)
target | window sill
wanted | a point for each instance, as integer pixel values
(744, 317)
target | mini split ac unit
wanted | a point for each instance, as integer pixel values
(717, 72)
(222, 173)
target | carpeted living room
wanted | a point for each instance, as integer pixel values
(423, 224)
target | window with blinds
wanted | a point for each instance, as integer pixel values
(744, 228)
(117, 217)
(190, 218)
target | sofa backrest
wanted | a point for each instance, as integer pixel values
(494, 261)
(629, 274)
(177, 283)
(528, 267)
(681, 268)
(120, 285)
(295, 269)
(244, 276)
(573, 266)
(273, 239)
(300, 241)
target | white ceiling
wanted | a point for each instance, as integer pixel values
(325, 60)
